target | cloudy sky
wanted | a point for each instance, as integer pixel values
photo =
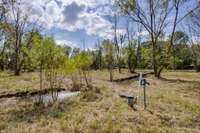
(73, 22)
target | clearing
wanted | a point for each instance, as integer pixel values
(173, 106)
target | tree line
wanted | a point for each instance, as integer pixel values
(24, 48)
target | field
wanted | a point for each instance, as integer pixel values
(173, 106)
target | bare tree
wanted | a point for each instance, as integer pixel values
(119, 39)
(131, 49)
(109, 53)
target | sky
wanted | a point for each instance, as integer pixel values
(73, 22)
(77, 23)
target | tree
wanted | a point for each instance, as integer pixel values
(180, 50)
(196, 56)
(21, 25)
(133, 49)
(97, 57)
(83, 62)
(131, 58)
(54, 59)
(37, 55)
(70, 68)
(49, 58)
(100, 56)
(153, 16)
(75, 51)
(67, 50)
(194, 32)
(4, 28)
(76, 66)
(119, 39)
(27, 45)
(109, 50)
(146, 53)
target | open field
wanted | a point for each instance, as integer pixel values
(173, 106)
(100, 66)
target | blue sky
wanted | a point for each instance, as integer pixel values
(74, 22)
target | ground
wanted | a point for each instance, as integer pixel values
(173, 106)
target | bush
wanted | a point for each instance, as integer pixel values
(92, 95)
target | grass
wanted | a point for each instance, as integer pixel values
(173, 106)
(30, 81)
(10, 83)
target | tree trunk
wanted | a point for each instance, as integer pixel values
(132, 70)
(119, 68)
(155, 67)
(86, 79)
(17, 58)
(197, 67)
(159, 72)
(40, 100)
(111, 74)
(2, 61)
(41, 78)
(17, 72)
(1, 64)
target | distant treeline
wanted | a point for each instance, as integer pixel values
(23, 47)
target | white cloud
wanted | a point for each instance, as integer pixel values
(95, 25)
(90, 21)
(87, 3)
(143, 33)
(72, 15)
(66, 42)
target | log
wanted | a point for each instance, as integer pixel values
(30, 93)
(132, 77)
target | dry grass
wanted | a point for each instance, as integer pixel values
(173, 106)
(10, 83)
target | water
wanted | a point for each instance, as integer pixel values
(47, 98)
(60, 96)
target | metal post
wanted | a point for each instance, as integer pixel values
(145, 104)
(140, 89)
